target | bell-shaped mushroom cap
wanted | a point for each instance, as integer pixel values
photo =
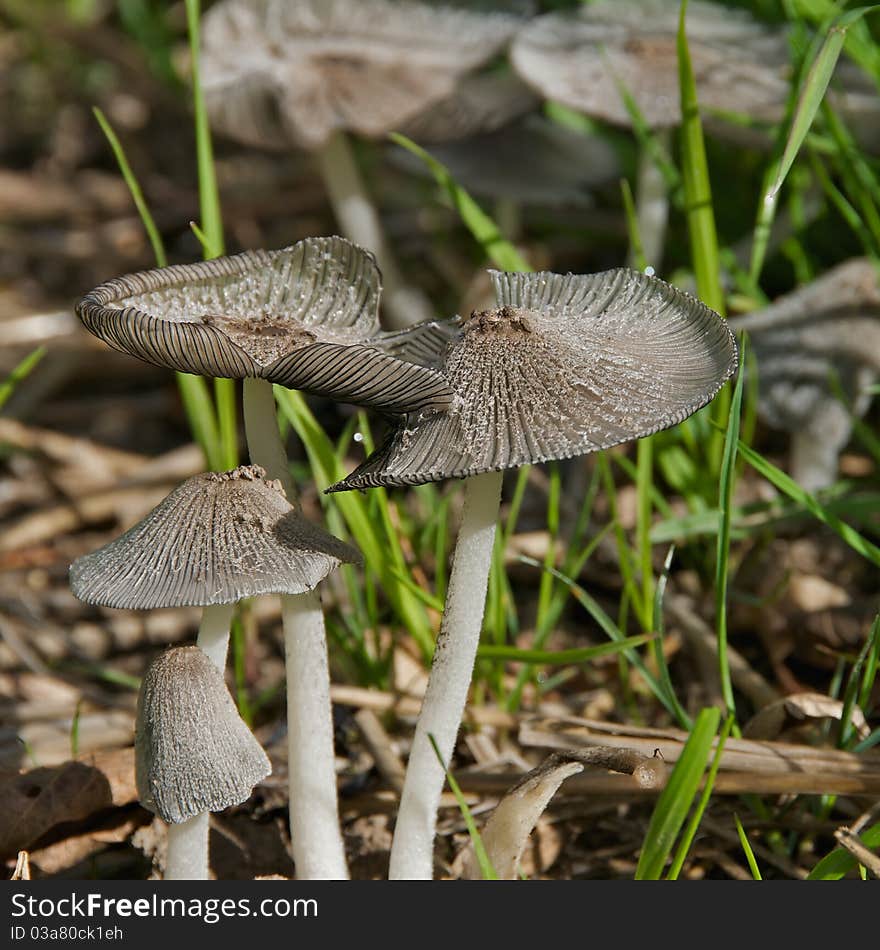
(827, 326)
(193, 751)
(533, 160)
(566, 365)
(582, 57)
(282, 72)
(306, 316)
(217, 538)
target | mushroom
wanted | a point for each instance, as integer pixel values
(305, 317)
(801, 339)
(582, 57)
(301, 72)
(217, 538)
(564, 366)
(194, 754)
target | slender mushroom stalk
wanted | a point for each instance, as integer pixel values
(566, 365)
(800, 341)
(450, 678)
(303, 73)
(193, 754)
(213, 636)
(214, 540)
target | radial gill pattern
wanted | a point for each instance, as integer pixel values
(215, 539)
(193, 751)
(564, 366)
(305, 316)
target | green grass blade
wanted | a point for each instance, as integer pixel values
(788, 486)
(872, 660)
(684, 720)
(747, 848)
(486, 869)
(487, 234)
(20, 373)
(687, 838)
(134, 188)
(837, 863)
(825, 53)
(381, 551)
(697, 190)
(722, 552)
(209, 198)
(561, 657)
(677, 797)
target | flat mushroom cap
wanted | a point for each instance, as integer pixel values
(580, 57)
(193, 751)
(217, 538)
(566, 365)
(829, 325)
(282, 72)
(305, 316)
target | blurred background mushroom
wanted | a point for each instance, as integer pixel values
(304, 73)
(817, 352)
(564, 366)
(218, 538)
(194, 754)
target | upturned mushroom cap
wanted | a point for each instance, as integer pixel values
(217, 538)
(831, 324)
(564, 366)
(306, 316)
(193, 751)
(580, 58)
(282, 72)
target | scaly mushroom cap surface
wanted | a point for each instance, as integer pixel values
(581, 57)
(801, 339)
(193, 751)
(282, 72)
(217, 538)
(564, 366)
(305, 316)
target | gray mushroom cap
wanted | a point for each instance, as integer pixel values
(282, 72)
(831, 324)
(580, 58)
(306, 316)
(564, 366)
(532, 160)
(217, 538)
(193, 751)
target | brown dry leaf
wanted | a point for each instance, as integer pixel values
(45, 797)
(810, 593)
(70, 851)
(771, 721)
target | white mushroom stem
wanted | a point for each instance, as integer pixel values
(318, 851)
(358, 219)
(187, 857)
(261, 431)
(213, 638)
(652, 204)
(412, 852)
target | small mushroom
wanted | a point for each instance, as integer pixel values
(193, 754)
(829, 326)
(214, 540)
(304, 72)
(564, 366)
